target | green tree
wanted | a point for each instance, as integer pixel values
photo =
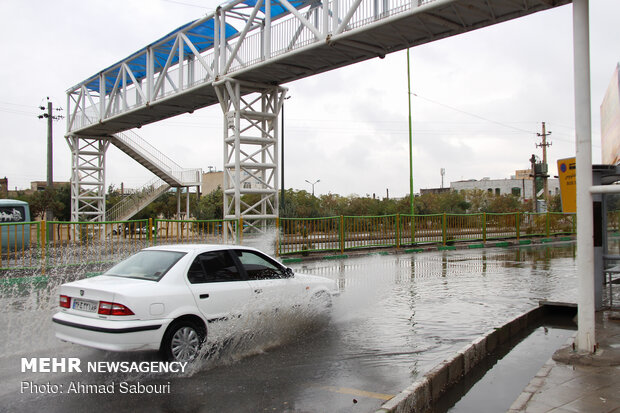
(57, 198)
(505, 203)
(210, 205)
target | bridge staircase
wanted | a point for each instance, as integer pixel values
(168, 174)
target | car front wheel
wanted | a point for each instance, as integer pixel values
(182, 341)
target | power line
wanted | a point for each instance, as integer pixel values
(17, 104)
(18, 112)
(473, 114)
(188, 4)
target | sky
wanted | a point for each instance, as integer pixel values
(478, 98)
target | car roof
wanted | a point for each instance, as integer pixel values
(12, 202)
(197, 247)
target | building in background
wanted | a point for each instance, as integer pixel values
(4, 188)
(212, 179)
(35, 186)
(610, 121)
(42, 185)
(434, 190)
(521, 187)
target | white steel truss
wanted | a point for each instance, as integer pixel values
(270, 41)
(251, 136)
(87, 178)
(213, 59)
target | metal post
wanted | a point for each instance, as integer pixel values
(342, 240)
(178, 202)
(43, 240)
(586, 338)
(410, 137)
(282, 161)
(267, 42)
(443, 230)
(187, 204)
(534, 197)
(50, 158)
(397, 230)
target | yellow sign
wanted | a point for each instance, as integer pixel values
(567, 173)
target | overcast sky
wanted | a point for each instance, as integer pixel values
(480, 98)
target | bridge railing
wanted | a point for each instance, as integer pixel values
(118, 89)
(133, 203)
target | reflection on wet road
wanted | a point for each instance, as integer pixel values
(396, 318)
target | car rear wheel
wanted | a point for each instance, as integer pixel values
(182, 341)
(322, 302)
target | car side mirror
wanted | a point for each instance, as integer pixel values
(288, 273)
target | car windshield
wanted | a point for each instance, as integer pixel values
(146, 265)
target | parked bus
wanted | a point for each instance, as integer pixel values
(14, 225)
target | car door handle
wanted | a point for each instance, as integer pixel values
(258, 290)
(204, 296)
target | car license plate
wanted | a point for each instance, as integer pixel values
(85, 305)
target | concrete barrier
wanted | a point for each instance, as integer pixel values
(423, 393)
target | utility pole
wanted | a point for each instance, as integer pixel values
(50, 168)
(533, 175)
(544, 144)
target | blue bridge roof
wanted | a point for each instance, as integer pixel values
(201, 35)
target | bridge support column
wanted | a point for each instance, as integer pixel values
(87, 178)
(586, 333)
(251, 137)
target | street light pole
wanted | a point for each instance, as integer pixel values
(313, 183)
(410, 137)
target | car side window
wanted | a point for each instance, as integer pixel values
(258, 267)
(213, 266)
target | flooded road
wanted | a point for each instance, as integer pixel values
(396, 318)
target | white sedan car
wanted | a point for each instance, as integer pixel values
(164, 298)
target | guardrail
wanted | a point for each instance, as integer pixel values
(44, 245)
(303, 235)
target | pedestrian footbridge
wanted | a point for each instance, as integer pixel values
(238, 57)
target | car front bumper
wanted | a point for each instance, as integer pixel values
(111, 335)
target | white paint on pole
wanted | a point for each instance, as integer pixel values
(586, 338)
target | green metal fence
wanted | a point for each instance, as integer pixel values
(344, 233)
(170, 231)
(310, 234)
(19, 245)
(47, 245)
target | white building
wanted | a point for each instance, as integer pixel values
(522, 188)
(211, 180)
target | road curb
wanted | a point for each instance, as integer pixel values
(421, 395)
